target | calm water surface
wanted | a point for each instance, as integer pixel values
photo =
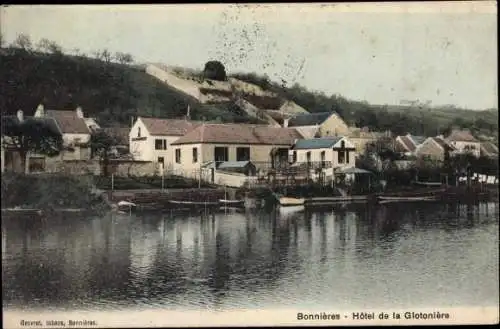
(418, 255)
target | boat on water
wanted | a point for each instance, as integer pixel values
(288, 205)
(126, 206)
(232, 203)
(385, 199)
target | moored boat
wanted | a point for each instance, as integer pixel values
(291, 202)
(126, 206)
(232, 203)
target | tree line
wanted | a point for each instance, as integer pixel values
(24, 43)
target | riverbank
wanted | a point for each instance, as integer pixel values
(49, 193)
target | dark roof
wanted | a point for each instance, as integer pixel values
(69, 122)
(418, 139)
(169, 127)
(239, 134)
(315, 143)
(309, 119)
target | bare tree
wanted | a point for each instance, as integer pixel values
(23, 42)
(106, 56)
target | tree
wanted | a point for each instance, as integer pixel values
(30, 135)
(23, 42)
(214, 70)
(45, 45)
(124, 58)
(101, 146)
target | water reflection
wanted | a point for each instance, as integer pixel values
(390, 255)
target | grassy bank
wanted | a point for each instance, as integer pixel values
(49, 191)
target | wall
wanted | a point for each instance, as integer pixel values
(361, 142)
(186, 86)
(431, 149)
(232, 179)
(144, 149)
(119, 168)
(334, 126)
(461, 147)
(330, 155)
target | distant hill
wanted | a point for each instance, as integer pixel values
(114, 93)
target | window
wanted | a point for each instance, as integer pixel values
(342, 145)
(195, 154)
(243, 154)
(161, 160)
(178, 155)
(347, 157)
(294, 157)
(341, 156)
(221, 154)
(160, 144)
(323, 158)
(139, 132)
(308, 156)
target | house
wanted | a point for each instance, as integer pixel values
(74, 131)
(464, 142)
(320, 124)
(329, 152)
(150, 138)
(264, 146)
(488, 149)
(361, 137)
(434, 148)
(408, 143)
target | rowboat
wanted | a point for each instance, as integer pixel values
(289, 202)
(383, 199)
(194, 203)
(232, 203)
(126, 206)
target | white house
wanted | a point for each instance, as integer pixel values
(150, 138)
(464, 142)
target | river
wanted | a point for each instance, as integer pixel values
(395, 255)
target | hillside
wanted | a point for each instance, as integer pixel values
(113, 93)
(110, 92)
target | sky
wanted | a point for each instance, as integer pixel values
(440, 53)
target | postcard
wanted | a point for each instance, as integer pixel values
(285, 164)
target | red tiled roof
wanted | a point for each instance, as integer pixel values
(69, 122)
(240, 134)
(461, 136)
(169, 127)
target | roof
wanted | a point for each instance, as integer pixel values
(169, 127)
(69, 122)
(418, 139)
(120, 133)
(443, 143)
(461, 136)
(407, 143)
(489, 148)
(315, 143)
(234, 164)
(309, 119)
(239, 134)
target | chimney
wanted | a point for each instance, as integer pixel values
(79, 112)
(20, 115)
(40, 111)
(285, 123)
